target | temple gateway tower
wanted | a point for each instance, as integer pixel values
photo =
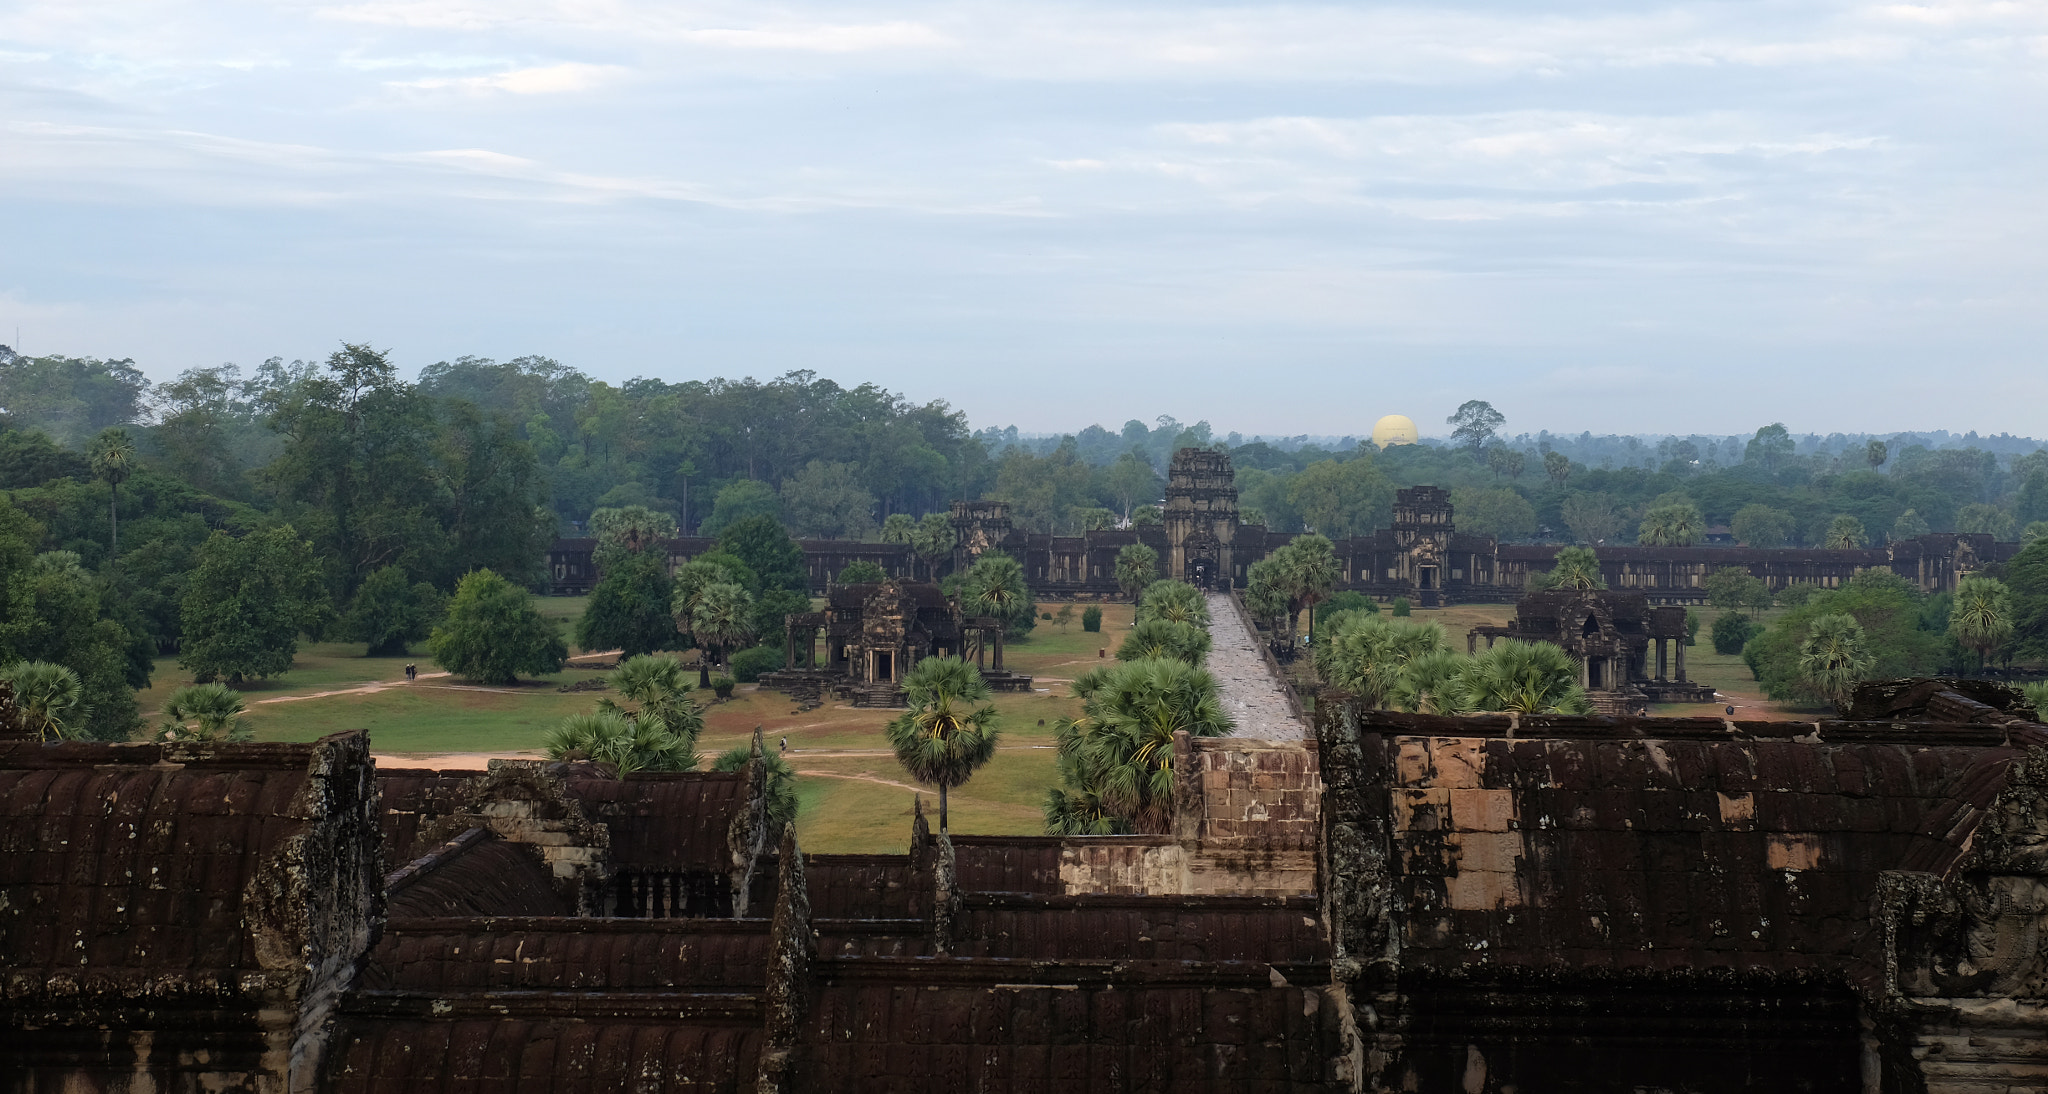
(1201, 518)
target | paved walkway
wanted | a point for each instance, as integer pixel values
(1250, 693)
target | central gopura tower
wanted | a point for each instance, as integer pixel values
(1201, 518)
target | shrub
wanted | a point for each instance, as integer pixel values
(1732, 631)
(861, 572)
(1091, 618)
(722, 686)
(1692, 627)
(1401, 606)
(748, 665)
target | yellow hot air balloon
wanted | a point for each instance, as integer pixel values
(1394, 429)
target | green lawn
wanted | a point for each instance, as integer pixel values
(849, 804)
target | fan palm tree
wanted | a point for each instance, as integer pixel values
(949, 729)
(609, 737)
(898, 528)
(113, 459)
(1136, 567)
(1310, 564)
(932, 542)
(1523, 677)
(1576, 568)
(722, 619)
(782, 800)
(995, 586)
(1844, 533)
(1677, 525)
(1368, 656)
(1429, 683)
(1982, 616)
(1157, 638)
(1835, 657)
(49, 696)
(1176, 601)
(1120, 750)
(661, 687)
(204, 712)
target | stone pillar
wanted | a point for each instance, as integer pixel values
(1662, 658)
(1681, 661)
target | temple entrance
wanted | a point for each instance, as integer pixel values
(1425, 578)
(1198, 573)
(1595, 679)
(884, 667)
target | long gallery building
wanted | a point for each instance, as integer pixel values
(1422, 556)
(1485, 905)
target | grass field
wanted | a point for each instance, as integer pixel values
(855, 798)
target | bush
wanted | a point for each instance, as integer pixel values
(782, 801)
(748, 665)
(722, 686)
(1401, 606)
(1732, 631)
(1091, 618)
(861, 572)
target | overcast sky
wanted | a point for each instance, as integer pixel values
(1280, 218)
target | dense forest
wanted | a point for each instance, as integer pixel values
(120, 497)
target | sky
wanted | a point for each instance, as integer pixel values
(1280, 218)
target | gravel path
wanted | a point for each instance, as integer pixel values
(1249, 692)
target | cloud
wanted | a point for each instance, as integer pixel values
(543, 80)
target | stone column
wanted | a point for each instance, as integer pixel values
(1681, 661)
(1662, 658)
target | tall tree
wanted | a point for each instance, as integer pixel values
(932, 542)
(1910, 525)
(113, 461)
(1137, 566)
(723, 620)
(1844, 533)
(1875, 453)
(1576, 568)
(247, 601)
(948, 730)
(1761, 526)
(1474, 424)
(1591, 518)
(1771, 449)
(1982, 616)
(1558, 466)
(388, 613)
(630, 609)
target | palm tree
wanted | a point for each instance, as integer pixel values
(1136, 567)
(610, 737)
(1982, 616)
(1429, 683)
(1157, 638)
(949, 728)
(661, 687)
(1310, 566)
(1120, 750)
(1522, 677)
(723, 618)
(113, 459)
(49, 696)
(1835, 657)
(1576, 568)
(1177, 601)
(1265, 593)
(1676, 525)
(995, 586)
(1844, 533)
(932, 542)
(1368, 656)
(204, 712)
(898, 528)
